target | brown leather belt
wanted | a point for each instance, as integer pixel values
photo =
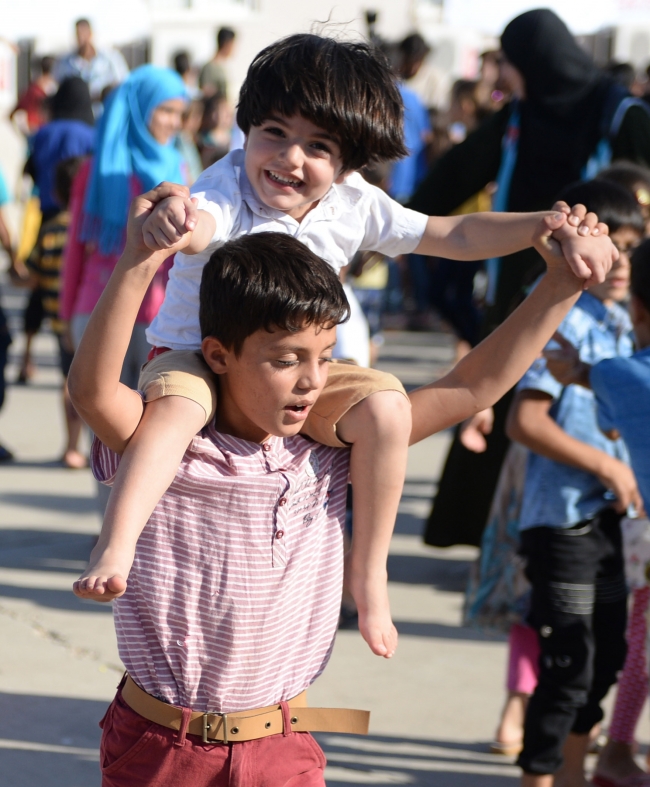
(247, 725)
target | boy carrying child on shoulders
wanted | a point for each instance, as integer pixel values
(314, 110)
(233, 598)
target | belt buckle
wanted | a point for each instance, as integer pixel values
(206, 726)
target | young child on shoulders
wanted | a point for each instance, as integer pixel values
(578, 485)
(314, 111)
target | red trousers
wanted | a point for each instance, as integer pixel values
(135, 752)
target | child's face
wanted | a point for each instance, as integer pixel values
(273, 384)
(616, 286)
(292, 163)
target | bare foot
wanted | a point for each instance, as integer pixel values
(375, 622)
(74, 460)
(105, 577)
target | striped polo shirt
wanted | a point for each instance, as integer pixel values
(233, 599)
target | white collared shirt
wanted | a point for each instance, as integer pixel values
(353, 216)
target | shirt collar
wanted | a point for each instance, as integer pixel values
(608, 315)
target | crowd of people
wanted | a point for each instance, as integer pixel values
(360, 154)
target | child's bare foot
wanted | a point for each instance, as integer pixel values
(105, 577)
(375, 622)
(74, 460)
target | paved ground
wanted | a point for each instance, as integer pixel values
(433, 706)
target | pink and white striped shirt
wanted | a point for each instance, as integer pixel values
(233, 599)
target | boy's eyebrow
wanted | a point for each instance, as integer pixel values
(298, 348)
(320, 134)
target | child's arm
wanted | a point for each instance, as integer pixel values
(484, 375)
(112, 410)
(478, 236)
(172, 219)
(530, 424)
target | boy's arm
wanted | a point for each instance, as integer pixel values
(477, 236)
(530, 424)
(110, 409)
(499, 361)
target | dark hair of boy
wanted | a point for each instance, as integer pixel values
(182, 63)
(225, 36)
(267, 280)
(346, 88)
(63, 176)
(640, 275)
(633, 177)
(614, 204)
(82, 22)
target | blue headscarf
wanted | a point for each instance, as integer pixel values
(125, 148)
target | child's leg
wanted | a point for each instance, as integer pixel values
(378, 429)
(368, 410)
(562, 565)
(616, 761)
(523, 657)
(147, 468)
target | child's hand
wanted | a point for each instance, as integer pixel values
(172, 220)
(585, 244)
(141, 209)
(619, 478)
(474, 430)
(565, 365)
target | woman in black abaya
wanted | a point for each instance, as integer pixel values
(566, 121)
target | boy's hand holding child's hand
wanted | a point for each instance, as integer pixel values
(581, 240)
(173, 219)
(141, 245)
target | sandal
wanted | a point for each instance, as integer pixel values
(506, 749)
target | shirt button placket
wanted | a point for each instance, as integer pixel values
(279, 538)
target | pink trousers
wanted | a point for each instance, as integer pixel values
(135, 752)
(523, 657)
(633, 682)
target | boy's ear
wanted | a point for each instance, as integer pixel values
(215, 354)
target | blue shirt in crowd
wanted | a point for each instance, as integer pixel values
(555, 494)
(622, 390)
(407, 173)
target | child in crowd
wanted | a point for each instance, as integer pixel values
(622, 390)
(44, 265)
(233, 598)
(314, 110)
(578, 484)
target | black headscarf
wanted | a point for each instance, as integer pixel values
(72, 101)
(562, 115)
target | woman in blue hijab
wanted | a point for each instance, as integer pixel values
(134, 152)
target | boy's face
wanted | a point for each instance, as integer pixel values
(272, 386)
(292, 164)
(616, 286)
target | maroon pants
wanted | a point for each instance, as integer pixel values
(135, 752)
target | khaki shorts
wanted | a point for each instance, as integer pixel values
(185, 373)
